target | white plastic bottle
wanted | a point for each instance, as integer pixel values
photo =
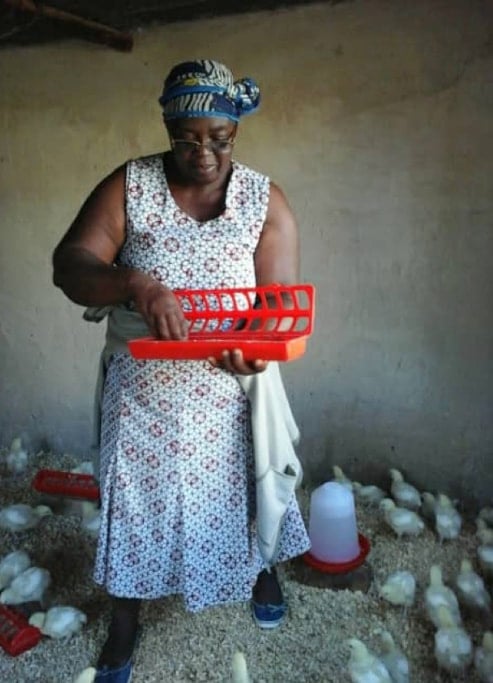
(332, 526)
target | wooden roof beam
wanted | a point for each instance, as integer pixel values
(106, 35)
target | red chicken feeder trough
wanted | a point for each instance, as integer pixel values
(16, 633)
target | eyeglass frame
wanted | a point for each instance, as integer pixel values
(195, 146)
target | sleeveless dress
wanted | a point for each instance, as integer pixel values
(177, 465)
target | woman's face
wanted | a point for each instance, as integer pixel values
(202, 147)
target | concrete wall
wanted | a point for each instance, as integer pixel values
(377, 122)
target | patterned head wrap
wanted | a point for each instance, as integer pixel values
(206, 88)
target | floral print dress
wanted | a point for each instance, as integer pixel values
(177, 464)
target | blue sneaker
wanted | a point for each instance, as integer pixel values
(121, 675)
(268, 616)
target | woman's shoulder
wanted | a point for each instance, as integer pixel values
(147, 161)
(250, 175)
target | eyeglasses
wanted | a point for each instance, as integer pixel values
(214, 146)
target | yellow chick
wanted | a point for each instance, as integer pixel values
(439, 595)
(485, 557)
(12, 565)
(403, 521)
(369, 494)
(453, 646)
(29, 586)
(448, 521)
(483, 658)
(86, 676)
(20, 517)
(394, 659)
(59, 622)
(341, 478)
(17, 458)
(240, 671)
(365, 667)
(405, 495)
(471, 589)
(399, 588)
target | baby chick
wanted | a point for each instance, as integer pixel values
(471, 589)
(85, 467)
(438, 595)
(19, 517)
(59, 622)
(448, 521)
(399, 588)
(91, 518)
(406, 495)
(403, 521)
(12, 565)
(453, 647)
(394, 659)
(17, 458)
(240, 671)
(86, 676)
(428, 504)
(341, 478)
(483, 658)
(29, 586)
(483, 532)
(364, 667)
(369, 494)
(486, 514)
(485, 557)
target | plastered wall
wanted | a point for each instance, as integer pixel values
(377, 122)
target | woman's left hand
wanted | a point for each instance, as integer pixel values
(234, 362)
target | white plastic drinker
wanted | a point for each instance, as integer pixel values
(332, 526)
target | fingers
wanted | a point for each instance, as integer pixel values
(233, 362)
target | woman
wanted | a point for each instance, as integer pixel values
(177, 471)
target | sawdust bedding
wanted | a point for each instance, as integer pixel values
(178, 647)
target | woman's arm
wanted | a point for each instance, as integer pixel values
(83, 263)
(277, 253)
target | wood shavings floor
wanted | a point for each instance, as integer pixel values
(177, 647)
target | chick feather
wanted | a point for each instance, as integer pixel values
(341, 478)
(20, 517)
(453, 646)
(471, 589)
(12, 565)
(483, 532)
(485, 557)
(403, 521)
(406, 495)
(29, 586)
(486, 513)
(86, 676)
(448, 521)
(17, 457)
(438, 595)
(239, 667)
(61, 621)
(399, 588)
(483, 658)
(368, 494)
(365, 667)
(394, 659)
(428, 503)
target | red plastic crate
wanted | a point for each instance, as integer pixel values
(16, 633)
(69, 484)
(269, 323)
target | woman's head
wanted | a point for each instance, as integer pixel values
(206, 88)
(201, 105)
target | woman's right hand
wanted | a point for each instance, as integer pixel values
(158, 306)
